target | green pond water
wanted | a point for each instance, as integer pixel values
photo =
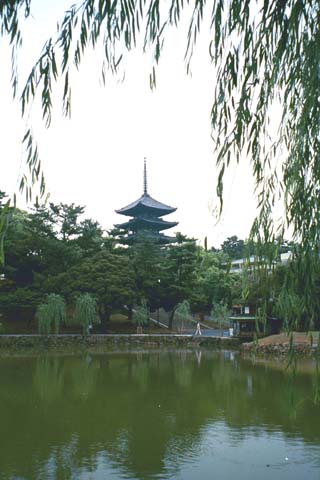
(157, 415)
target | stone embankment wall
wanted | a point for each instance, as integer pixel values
(60, 342)
(281, 349)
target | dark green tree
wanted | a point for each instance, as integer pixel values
(214, 282)
(90, 238)
(179, 273)
(107, 276)
(33, 249)
(66, 220)
(147, 259)
(41, 221)
(18, 304)
(233, 247)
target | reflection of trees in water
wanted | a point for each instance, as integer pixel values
(183, 374)
(139, 373)
(61, 461)
(50, 375)
(48, 378)
(84, 379)
(316, 384)
(144, 411)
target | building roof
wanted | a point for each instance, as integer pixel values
(146, 223)
(158, 236)
(144, 204)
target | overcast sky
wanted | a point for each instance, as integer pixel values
(96, 158)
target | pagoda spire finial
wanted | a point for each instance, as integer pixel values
(145, 190)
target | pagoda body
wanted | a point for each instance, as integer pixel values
(146, 221)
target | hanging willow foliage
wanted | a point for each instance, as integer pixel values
(266, 108)
(268, 59)
(43, 319)
(51, 314)
(86, 312)
(140, 315)
(265, 53)
(5, 214)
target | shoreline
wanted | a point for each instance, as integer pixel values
(303, 345)
(283, 344)
(67, 342)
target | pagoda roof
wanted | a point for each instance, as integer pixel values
(146, 203)
(147, 223)
(158, 237)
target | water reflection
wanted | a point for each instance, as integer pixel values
(48, 379)
(155, 415)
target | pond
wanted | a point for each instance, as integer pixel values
(186, 414)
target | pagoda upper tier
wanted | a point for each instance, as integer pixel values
(146, 213)
(146, 204)
(143, 222)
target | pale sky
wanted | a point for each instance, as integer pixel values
(96, 158)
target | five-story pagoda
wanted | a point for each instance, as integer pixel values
(146, 221)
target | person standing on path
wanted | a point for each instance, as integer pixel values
(198, 329)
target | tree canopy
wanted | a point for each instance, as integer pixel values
(92, 273)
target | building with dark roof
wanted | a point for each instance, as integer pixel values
(146, 221)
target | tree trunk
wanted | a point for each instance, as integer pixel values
(130, 313)
(171, 317)
(104, 313)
